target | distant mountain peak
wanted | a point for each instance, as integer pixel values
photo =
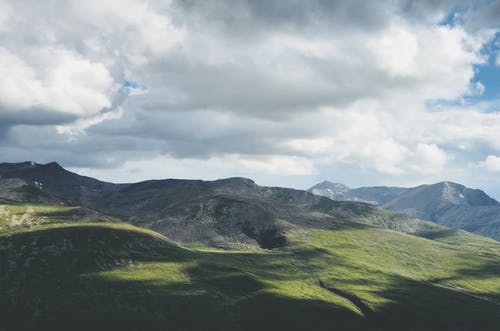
(446, 203)
(329, 189)
(456, 194)
(330, 185)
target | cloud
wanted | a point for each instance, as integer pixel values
(491, 163)
(65, 61)
(296, 88)
(429, 158)
(55, 81)
(257, 167)
(5, 13)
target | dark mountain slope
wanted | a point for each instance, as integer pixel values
(232, 212)
(236, 211)
(7, 167)
(64, 185)
(17, 189)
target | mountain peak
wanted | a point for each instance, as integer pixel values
(53, 165)
(329, 189)
(330, 185)
(449, 184)
(459, 194)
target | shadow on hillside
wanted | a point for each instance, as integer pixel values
(417, 305)
(57, 279)
(487, 270)
(136, 305)
(437, 234)
(83, 248)
(62, 212)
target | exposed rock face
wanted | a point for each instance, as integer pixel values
(17, 189)
(330, 190)
(445, 203)
(232, 212)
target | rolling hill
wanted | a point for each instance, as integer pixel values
(230, 255)
(105, 276)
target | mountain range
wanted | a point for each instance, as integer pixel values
(230, 212)
(82, 254)
(446, 203)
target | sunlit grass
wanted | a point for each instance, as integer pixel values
(24, 215)
(136, 275)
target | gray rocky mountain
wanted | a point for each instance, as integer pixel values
(330, 190)
(449, 204)
(376, 195)
(232, 212)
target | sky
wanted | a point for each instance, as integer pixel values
(288, 93)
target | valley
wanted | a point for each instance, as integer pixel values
(229, 255)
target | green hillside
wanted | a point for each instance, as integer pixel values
(18, 216)
(107, 276)
(15, 216)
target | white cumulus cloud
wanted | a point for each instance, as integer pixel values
(301, 88)
(491, 163)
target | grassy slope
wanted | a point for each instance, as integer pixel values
(22, 215)
(413, 283)
(115, 276)
(19, 216)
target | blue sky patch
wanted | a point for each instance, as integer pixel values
(489, 73)
(454, 17)
(130, 84)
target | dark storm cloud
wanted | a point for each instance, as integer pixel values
(248, 16)
(34, 116)
(483, 15)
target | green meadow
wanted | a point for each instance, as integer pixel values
(112, 276)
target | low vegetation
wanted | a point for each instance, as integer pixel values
(15, 216)
(104, 276)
